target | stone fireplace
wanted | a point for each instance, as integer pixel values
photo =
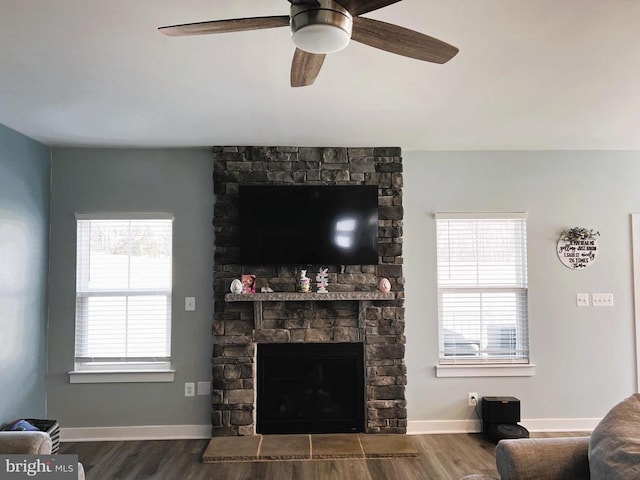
(353, 312)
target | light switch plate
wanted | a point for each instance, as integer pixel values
(189, 304)
(602, 299)
(582, 299)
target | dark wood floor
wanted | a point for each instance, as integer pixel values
(442, 457)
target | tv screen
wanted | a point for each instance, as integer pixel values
(315, 225)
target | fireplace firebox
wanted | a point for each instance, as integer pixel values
(310, 388)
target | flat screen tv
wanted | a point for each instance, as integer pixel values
(308, 225)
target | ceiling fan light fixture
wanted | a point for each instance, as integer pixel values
(321, 30)
(321, 39)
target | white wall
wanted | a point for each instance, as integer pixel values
(585, 357)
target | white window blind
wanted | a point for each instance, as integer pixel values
(123, 291)
(482, 288)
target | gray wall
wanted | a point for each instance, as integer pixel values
(585, 357)
(25, 167)
(111, 180)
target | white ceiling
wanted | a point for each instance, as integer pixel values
(531, 74)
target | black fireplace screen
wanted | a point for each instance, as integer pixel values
(310, 388)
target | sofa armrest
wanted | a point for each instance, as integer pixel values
(28, 443)
(543, 458)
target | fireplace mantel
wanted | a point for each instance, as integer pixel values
(300, 297)
(364, 300)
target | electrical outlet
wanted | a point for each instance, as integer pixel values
(189, 389)
(472, 399)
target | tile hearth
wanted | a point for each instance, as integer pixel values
(259, 448)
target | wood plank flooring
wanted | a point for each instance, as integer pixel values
(441, 457)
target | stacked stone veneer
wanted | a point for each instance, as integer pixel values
(234, 333)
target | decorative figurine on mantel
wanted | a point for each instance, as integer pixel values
(305, 282)
(384, 285)
(248, 283)
(236, 286)
(322, 278)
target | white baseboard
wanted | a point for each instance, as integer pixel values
(139, 432)
(414, 427)
(560, 424)
(417, 427)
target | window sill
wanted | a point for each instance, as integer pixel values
(494, 370)
(121, 376)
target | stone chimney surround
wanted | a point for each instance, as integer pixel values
(352, 311)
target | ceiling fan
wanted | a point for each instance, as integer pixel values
(320, 27)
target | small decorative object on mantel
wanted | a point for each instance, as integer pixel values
(305, 282)
(266, 290)
(577, 247)
(384, 285)
(236, 286)
(248, 284)
(322, 278)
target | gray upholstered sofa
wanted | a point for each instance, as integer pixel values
(611, 453)
(29, 443)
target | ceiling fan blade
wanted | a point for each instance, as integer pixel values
(401, 41)
(225, 26)
(305, 68)
(360, 7)
(311, 3)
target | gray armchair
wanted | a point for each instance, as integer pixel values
(612, 452)
(29, 443)
(543, 459)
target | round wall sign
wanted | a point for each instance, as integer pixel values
(577, 254)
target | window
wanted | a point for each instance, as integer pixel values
(482, 288)
(123, 293)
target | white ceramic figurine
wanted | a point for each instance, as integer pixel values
(236, 286)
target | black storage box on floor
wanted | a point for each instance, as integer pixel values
(500, 417)
(51, 427)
